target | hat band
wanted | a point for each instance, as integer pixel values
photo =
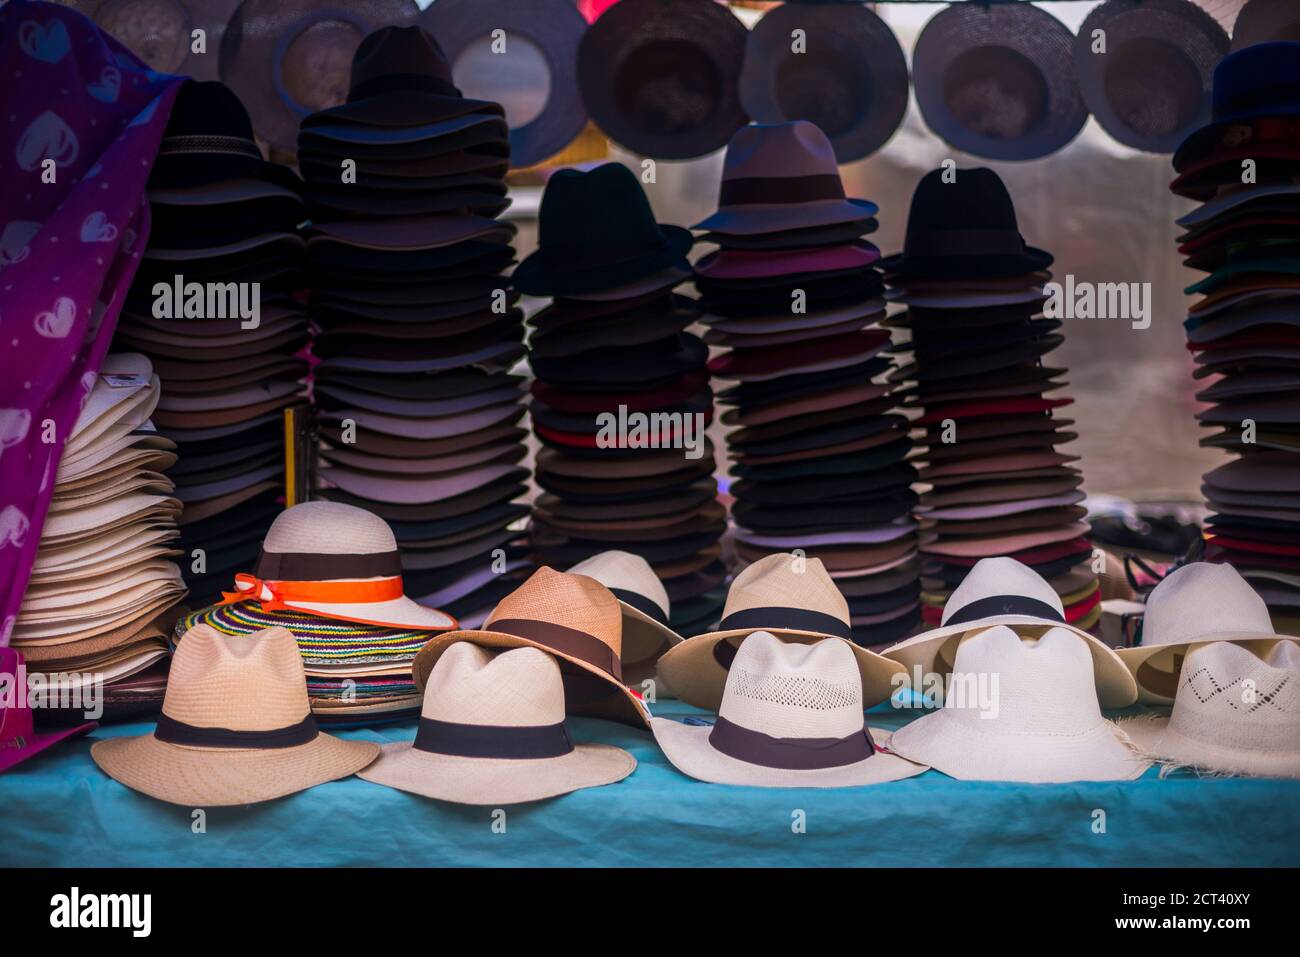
(208, 143)
(790, 754)
(642, 604)
(787, 619)
(492, 741)
(566, 641)
(998, 605)
(965, 242)
(765, 190)
(312, 566)
(274, 594)
(401, 83)
(178, 732)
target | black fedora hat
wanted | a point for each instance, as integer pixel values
(596, 231)
(966, 228)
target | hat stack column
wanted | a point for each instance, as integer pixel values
(1243, 168)
(419, 414)
(993, 482)
(212, 308)
(819, 447)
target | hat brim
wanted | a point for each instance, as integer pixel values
(697, 678)
(688, 748)
(534, 276)
(645, 640)
(485, 781)
(36, 743)
(1116, 687)
(1153, 737)
(772, 217)
(1153, 666)
(215, 777)
(398, 613)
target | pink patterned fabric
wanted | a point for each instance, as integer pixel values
(75, 101)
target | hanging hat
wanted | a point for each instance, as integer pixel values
(966, 228)
(18, 737)
(794, 599)
(851, 80)
(1040, 723)
(236, 727)
(790, 716)
(1002, 591)
(289, 58)
(597, 231)
(997, 80)
(336, 561)
(492, 732)
(1266, 21)
(1233, 714)
(782, 176)
(574, 618)
(1197, 603)
(535, 76)
(160, 32)
(659, 77)
(1151, 86)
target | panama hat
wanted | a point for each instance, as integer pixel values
(794, 599)
(492, 733)
(1040, 723)
(1264, 21)
(1151, 86)
(236, 727)
(1197, 603)
(850, 80)
(336, 561)
(997, 81)
(1002, 591)
(790, 716)
(574, 618)
(645, 606)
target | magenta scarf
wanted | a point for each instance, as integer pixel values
(74, 99)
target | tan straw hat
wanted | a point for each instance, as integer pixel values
(1002, 591)
(791, 716)
(1196, 603)
(235, 727)
(492, 732)
(793, 598)
(574, 618)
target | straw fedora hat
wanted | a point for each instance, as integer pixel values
(796, 600)
(574, 618)
(1002, 591)
(791, 716)
(1040, 723)
(1233, 714)
(492, 732)
(236, 727)
(645, 607)
(1197, 603)
(336, 561)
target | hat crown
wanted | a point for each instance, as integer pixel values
(519, 688)
(1230, 698)
(997, 577)
(1203, 602)
(250, 682)
(600, 211)
(1256, 77)
(209, 108)
(329, 528)
(793, 690)
(15, 719)
(976, 199)
(783, 580)
(400, 58)
(567, 600)
(623, 571)
(769, 150)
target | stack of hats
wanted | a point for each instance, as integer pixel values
(820, 449)
(1244, 168)
(419, 413)
(105, 586)
(212, 307)
(997, 486)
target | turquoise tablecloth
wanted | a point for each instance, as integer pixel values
(59, 809)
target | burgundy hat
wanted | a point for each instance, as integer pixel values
(18, 739)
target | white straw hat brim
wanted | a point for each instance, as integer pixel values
(216, 777)
(398, 613)
(962, 752)
(688, 748)
(1116, 687)
(644, 639)
(1152, 666)
(1153, 737)
(493, 782)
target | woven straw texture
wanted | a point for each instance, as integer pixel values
(644, 639)
(329, 528)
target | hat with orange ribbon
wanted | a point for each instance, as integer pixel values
(336, 561)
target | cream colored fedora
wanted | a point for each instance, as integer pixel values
(1002, 591)
(574, 618)
(1021, 710)
(236, 727)
(492, 732)
(789, 596)
(1234, 713)
(1196, 603)
(791, 717)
